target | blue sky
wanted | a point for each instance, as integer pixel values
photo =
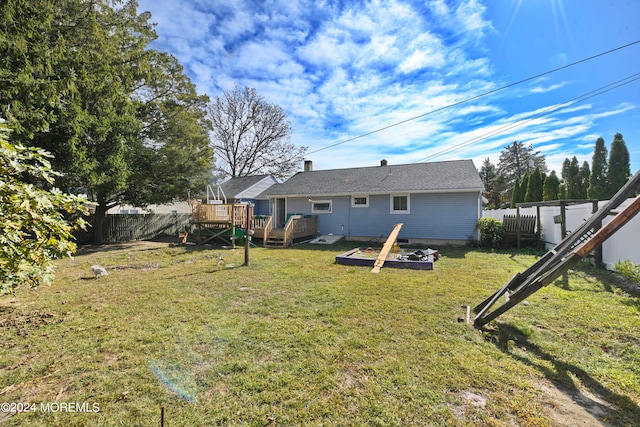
(342, 69)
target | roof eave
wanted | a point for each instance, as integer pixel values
(377, 193)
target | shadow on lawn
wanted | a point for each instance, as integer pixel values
(610, 281)
(619, 410)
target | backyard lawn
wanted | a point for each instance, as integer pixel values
(295, 339)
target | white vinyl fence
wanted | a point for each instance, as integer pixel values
(623, 245)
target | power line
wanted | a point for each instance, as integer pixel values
(473, 98)
(544, 112)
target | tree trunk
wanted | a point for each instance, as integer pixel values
(98, 222)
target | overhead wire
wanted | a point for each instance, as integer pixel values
(546, 111)
(473, 98)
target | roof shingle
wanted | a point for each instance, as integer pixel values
(416, 177)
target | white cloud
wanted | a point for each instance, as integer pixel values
(345, 69)
(550, 88)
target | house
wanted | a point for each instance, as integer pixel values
(234, 190)
(437, 203)
(249, 189)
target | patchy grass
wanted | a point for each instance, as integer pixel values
(295, 339)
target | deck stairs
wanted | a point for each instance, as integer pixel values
(564, 255)
(276, 239)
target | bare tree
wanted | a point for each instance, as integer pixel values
(251, 136)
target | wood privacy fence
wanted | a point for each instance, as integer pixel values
(124, 228)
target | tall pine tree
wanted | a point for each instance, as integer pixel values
(619, 164)
(534, 187)
(488, 174)
(598, 180)
(551, 187)
(583, 180)
(570, 175)
(516, 160)
(515, 194)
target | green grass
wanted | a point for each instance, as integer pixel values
(295, 339)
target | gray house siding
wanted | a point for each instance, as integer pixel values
(437, 216)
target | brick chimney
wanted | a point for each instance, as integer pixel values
(383, 162)
(308, 165)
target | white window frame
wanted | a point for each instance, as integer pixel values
(321, 211)
(360, 196)
(400, 212)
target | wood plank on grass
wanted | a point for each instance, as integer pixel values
(386, 248)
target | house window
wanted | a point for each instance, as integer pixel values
(359, 201)
(400, 204)
(321, 206)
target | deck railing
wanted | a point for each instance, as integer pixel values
(299, 226)
(222, 213)
(262, 226)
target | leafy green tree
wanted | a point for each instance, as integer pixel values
(551, 187)
(619, 165)
(534, 186)
(122, 120)
(180, 158)
(33, 230)
(599, 178)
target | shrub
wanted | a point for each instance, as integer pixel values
(628, 270)
(491, 232)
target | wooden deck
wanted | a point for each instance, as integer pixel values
(235, 214)
(297, 227)
(224, 221)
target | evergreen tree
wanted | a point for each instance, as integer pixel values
(619, 165)
(551, 187)
(570, 172)
(524, 185)
(534, 187)
(598, 180)
(516, 160)
(565, 173)
(583, 180)
(123, 121)
(562, 191)
(515, 195)
(488, 174)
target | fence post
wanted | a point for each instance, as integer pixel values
(598, 252)
(518, 225)
(563, 216)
